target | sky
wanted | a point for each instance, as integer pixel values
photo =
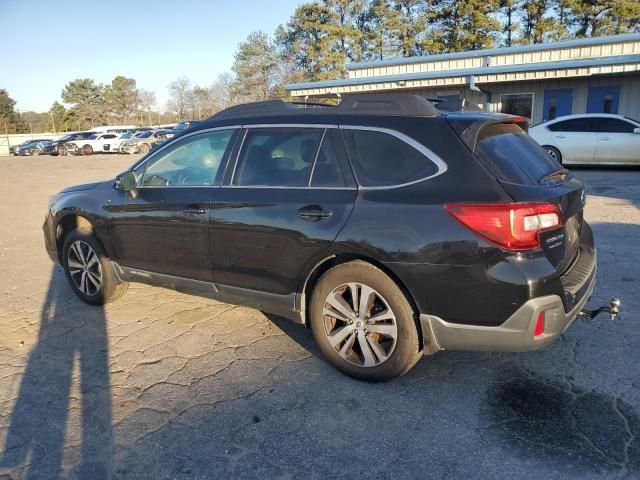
(48, 43)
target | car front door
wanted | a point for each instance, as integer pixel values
(282, 204)
(163, 226)
(576, 138)
(617, 142)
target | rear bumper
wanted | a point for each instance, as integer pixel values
(516, 334)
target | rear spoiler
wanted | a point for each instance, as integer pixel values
(469, 127)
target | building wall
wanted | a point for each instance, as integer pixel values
(629, 104)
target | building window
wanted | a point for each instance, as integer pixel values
(517, 104)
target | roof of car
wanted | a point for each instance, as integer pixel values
(583, 115)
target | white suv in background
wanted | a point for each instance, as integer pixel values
(590, 138)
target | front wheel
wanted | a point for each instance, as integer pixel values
(89, 271)
(144, 148)
(363, 323)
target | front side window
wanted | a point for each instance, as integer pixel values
(194, 161)
(381, 159)
(280, 157)
(583, 124)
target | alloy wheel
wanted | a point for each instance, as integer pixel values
(552, 153)
(84, 268)
(359, 324)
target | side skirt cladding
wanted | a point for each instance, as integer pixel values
(281, 305)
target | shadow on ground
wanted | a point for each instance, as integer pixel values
(65, 349)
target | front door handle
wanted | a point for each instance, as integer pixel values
(559, 136)
(313, 213)
(603, 138)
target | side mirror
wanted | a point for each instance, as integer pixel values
(636, 130)
(126, 181)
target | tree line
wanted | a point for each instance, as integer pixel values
(318, 41)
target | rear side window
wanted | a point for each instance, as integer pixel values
(280, 157)
(573, 125)
(512, 155)
(381, 159)
(613, 125)
(326, 170)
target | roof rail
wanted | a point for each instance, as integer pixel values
(393, 104)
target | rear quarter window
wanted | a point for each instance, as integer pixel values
(512, 155)
(381, 159)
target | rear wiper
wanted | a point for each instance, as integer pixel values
(557, 175)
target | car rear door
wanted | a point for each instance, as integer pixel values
(617, 142)
(282, 204)
(576, 138)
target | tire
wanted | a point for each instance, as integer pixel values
(387, 357)
(62, 150)
(86, 150)
(144, 148)
(110, 288)
(554, 153)
(35, 152)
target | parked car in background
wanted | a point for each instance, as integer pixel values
(37, 147)
(114, 129)
(15, 149)
(97, 143)
(180, 126)
(59, 144)
(143, 142)
(597, 138)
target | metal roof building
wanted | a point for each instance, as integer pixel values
(542, 81)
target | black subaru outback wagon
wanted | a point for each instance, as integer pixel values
(391, 228)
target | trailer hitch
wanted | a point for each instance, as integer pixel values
(613, 309)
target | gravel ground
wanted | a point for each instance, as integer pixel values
(166, 385)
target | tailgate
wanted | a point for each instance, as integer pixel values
(560, 245)
(528, 174)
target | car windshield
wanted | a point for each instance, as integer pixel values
(146, 134)
(513, 155)
(124, 136)
(633, 120)
(92, 137)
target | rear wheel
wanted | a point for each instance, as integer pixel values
(144, 148)
(87, 149)
(363, 323)
(89, 271)
(62, 150)
(553, 153)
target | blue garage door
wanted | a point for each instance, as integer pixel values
(603, 99)
(557, 103)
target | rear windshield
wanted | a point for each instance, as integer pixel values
(513, 155)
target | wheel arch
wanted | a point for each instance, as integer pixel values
(67, 224)
(336, 259)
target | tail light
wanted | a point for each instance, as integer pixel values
(539, 330)
(514, 226)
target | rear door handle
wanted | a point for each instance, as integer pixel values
(559, 136)
(313, 213)
(603, 138)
